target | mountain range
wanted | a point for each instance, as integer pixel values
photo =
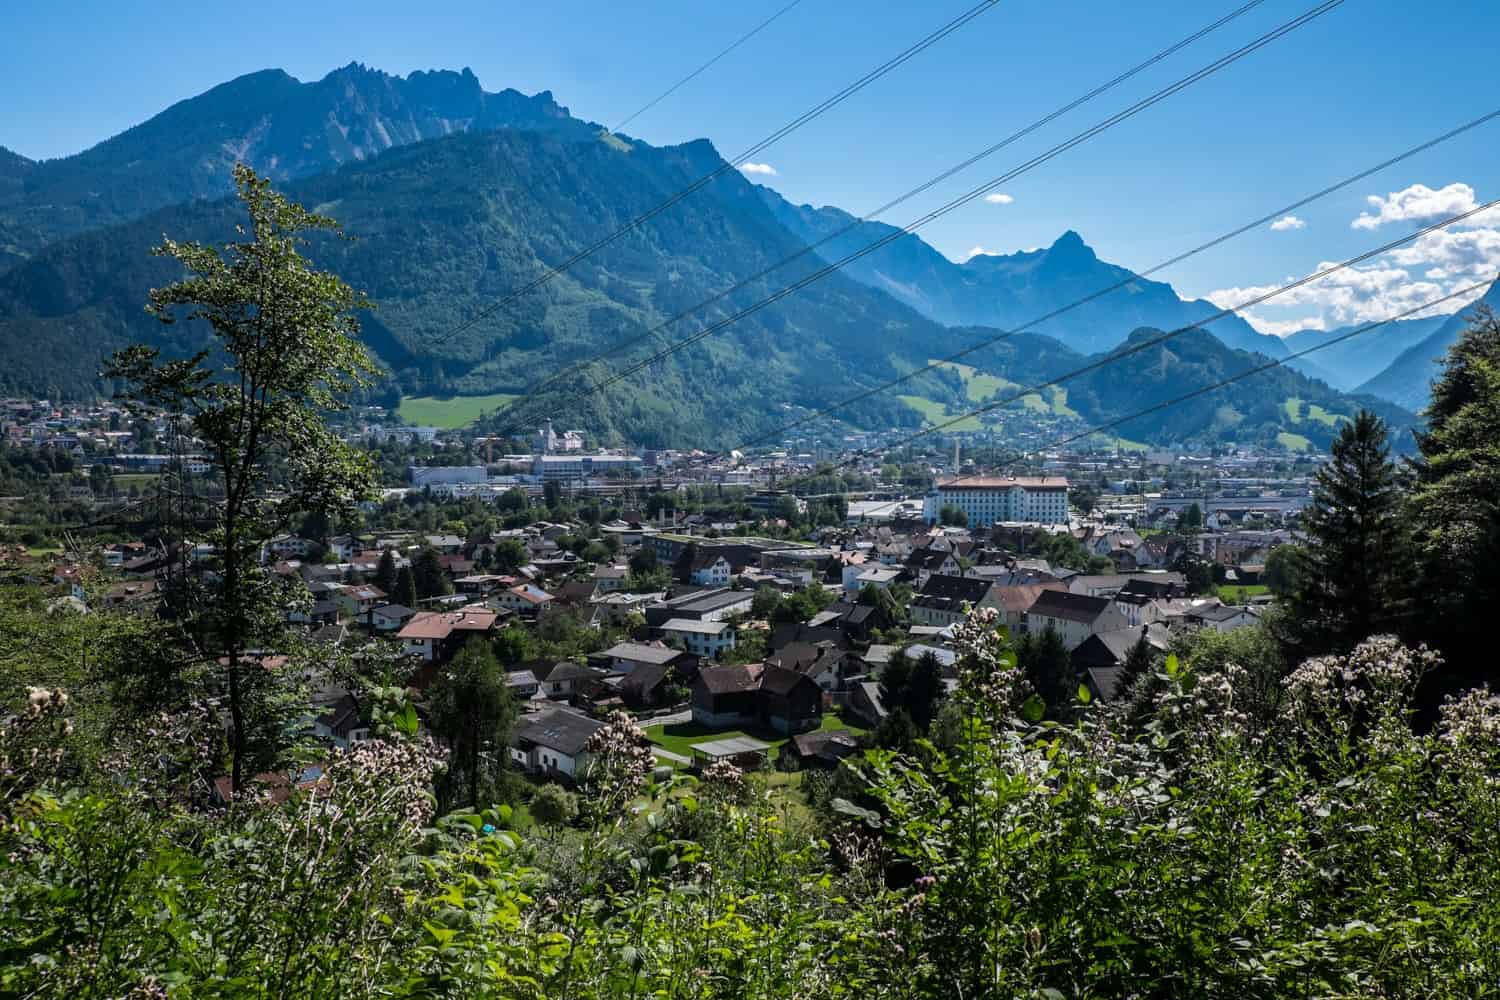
(1406, 380)
(1011, 290)
(456, 196)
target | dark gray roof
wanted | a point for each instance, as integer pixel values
(728, 680)
(569, 671)
(928, 558)
(560, 730)
(1070, 607)
(944, 592)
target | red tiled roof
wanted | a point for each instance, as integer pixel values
(1003, 482)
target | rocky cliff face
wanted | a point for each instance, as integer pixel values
(282, 127)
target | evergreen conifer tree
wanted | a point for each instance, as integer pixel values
(1455, 505)
(406, 587)
(1346, 580)
(385, 572)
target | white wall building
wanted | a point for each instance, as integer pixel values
(988, 500)
(569, 467)
(433, 475)
(703, 638)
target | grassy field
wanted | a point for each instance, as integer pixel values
(1293, 442)
(979, 387)
(1297, 411)
(936, 413)
(680, 737)
(125, 480)
(1232, 594)
(1123, 444)
(452, 412)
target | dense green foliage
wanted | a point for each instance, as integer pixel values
(1328, 850)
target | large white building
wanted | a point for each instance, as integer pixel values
(990, 500)
(584, 466)
(435, 475)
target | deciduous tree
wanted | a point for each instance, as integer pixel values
(285, 353)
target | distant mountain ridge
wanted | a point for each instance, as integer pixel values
(1352, 363)
(1407, 380)
(457, 197)
(279, 125)
(1008, 290)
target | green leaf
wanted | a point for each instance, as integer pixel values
(1033, 709)
(1083, 694)
(1172, 666)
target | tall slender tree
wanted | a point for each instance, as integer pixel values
(385, 572)
(406, 587)
(285, 352)
(1347, 575)
(1455, 505)
(472, 708)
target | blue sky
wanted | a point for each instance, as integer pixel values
(1353, 87)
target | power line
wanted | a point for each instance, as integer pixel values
(733, 164)
(1154, 269)
(1133, 349)
(1162, 338)
(920, 189)
(971, 195)
(1223, 383)
(699, 71)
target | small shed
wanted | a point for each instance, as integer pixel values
(743, 751)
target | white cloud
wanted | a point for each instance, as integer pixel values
(1288, 222)
(980, 252)
(998, 199)
(764, 169)
(1283, 327)
(1416, 202)
(1447, 261)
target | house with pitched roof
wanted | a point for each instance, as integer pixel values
(554, 743)
(1074, 617)
(435, 636)
(945, 600)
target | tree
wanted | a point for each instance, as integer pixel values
(431, 580)
(1139, 662)
(510, 555)
(643, 562)
(1280, 575)
(1191, 519)
(471, 707)
(1454, 507)
(765, 602)
(552, 494)
(513, 645)
(406, 588)
(1048, 666)
(896, 731)
(289, 340)
(953, 517)
(1347, 576)
(385, 572)
(785, 508)
(554, 806)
